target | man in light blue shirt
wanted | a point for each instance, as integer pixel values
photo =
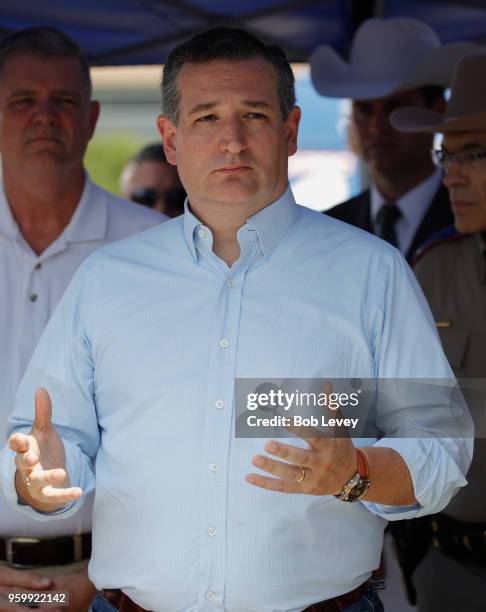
(141, 357)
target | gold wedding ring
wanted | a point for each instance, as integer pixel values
(27, 482)
(301, 477)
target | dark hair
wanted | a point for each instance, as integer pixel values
(45, 42)
(151, 152)
(430, 94)
(228, 44)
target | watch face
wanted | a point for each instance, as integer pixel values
(358, 490)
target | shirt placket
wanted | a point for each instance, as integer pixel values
(35, 305)
(218, 430)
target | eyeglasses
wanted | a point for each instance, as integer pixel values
(443, 159)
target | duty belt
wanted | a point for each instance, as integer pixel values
(465, 542)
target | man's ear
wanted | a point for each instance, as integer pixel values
(168, 131)
(94, 113)
(291, 126)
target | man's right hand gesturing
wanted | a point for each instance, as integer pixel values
(41, 479)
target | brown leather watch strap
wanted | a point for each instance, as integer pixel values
(363, 465)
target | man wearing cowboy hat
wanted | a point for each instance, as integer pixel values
(393, 63)
(452, 272)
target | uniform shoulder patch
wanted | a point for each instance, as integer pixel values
(444, 236)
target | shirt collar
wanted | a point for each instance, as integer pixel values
(414, 203)
(271, 223)
(90, 218)
(8, 226)
(87, 223)
(191, 223)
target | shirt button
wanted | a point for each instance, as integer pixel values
(38, 266)
(219, 404)
(210, 595)
(33, 297)
(230, 283)
(211, 531)
(223, 343)
(213, 467)
(201, 233)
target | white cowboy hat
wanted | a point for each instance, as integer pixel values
(466, 109)
(387, 55)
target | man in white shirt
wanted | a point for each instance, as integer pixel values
(51, 217)
(393, 62)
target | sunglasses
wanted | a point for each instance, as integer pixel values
(148, 196)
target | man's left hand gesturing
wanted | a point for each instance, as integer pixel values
(321, 469)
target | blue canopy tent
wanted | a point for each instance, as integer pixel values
(117, 32)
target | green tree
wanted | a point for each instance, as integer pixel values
(106, 156)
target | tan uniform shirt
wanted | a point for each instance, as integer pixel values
(453, 277)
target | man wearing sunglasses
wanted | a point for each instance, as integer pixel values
(452, 272)
(150, 180)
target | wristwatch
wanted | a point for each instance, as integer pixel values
(358, 485)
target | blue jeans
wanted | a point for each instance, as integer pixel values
(100, 604)
(370, 602)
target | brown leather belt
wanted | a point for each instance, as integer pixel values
(26, 552)
(336, 604)
(123, 603)
(120, 601)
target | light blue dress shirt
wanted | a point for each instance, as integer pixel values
(140, 359)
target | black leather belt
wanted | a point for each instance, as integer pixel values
(26, 552)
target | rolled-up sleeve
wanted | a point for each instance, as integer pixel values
(421, 413)
(62, 363)
(437, 468)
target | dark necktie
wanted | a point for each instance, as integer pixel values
(387, 216)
